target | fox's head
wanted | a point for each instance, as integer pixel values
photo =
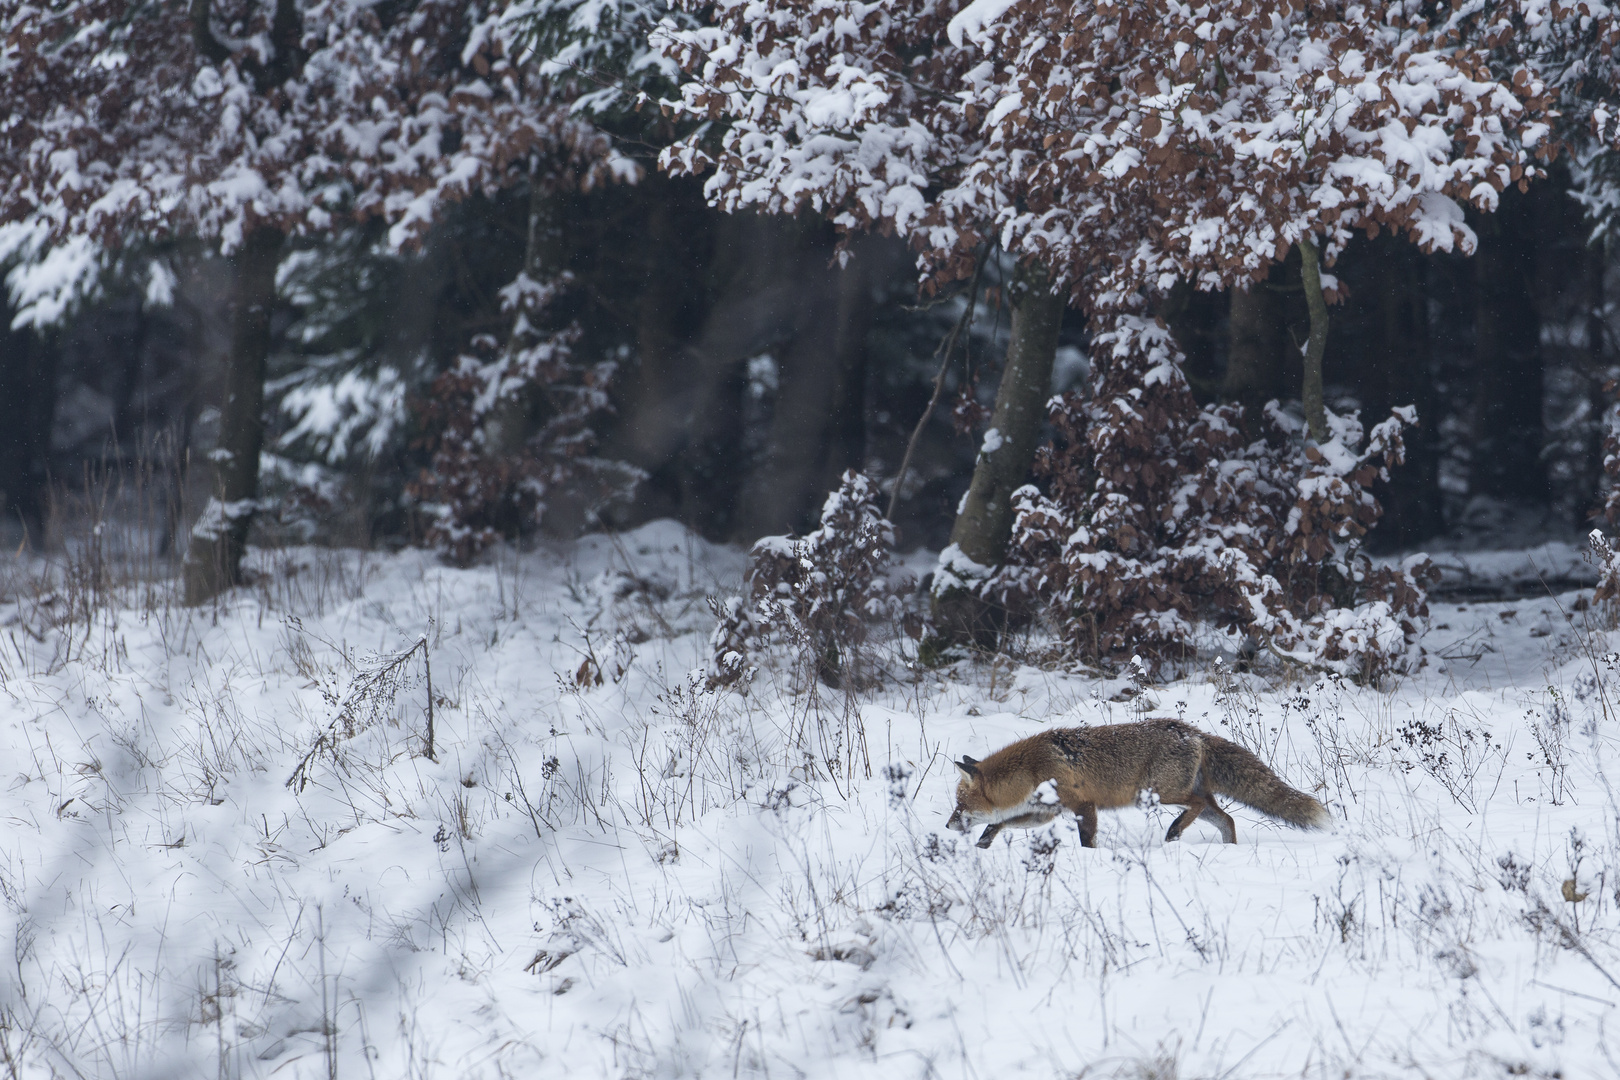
(973, 805)
(999, 806)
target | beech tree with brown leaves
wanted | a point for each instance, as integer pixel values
(1239, 131)
(1129, 147)
(821, 114)
(1227, 135)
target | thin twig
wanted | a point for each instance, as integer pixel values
(427, 666)
(1575, 943)
(383, 679)
(946, 347)
(1586, 639)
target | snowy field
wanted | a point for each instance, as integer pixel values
(608, 871)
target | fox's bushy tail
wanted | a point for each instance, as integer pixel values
(1231, 770)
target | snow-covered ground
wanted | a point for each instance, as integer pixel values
(609, 871)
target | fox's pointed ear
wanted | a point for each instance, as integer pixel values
(969, 767)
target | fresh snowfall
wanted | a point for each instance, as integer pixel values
(234, 845)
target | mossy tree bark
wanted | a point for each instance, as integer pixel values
(1316, 343)
(214, 558)
(984, 522)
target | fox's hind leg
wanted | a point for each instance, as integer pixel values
(1196, 808)
(1221, 820)
(1088, 824)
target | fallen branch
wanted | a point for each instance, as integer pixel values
(380, 684)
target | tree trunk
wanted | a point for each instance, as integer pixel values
(1398, 370)
(818, 426)
(1316, 344)
(846, 427)
(218, 540)
(1565, 273)
(1254, 373)
(655, 429)
(709, 298)
(1193, 317)
(27, 410)
(127, 424)
(1506, 429)
(984, 520)
(1598, 359)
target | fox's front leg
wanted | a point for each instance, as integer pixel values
(1085, 810)
(989, 834)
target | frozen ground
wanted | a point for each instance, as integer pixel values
(610, 872)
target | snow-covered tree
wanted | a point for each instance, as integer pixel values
(852, 111)
(1231, 134)
(250, 125)
(1129, 146)
(600, 53)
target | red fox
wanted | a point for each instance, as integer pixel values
(1108, 766)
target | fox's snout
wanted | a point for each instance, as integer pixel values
(956, 824)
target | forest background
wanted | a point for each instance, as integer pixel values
(516, 512)
(662, 356)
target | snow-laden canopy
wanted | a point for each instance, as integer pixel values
(1126, 145)
(213, 120)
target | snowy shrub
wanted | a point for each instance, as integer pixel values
(1601, 550)
(336, 409)
(605, 47)
(1157, 513)
(356, 411)
(1607, 560)
(825, 590)
(735, 628)
(510, 432)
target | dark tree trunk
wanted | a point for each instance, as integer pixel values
(818, 426)
(1194, 319)
(127, 419)
(1316, 344)
(846, 428)
(218, 540)
(27, 410)
(1566, 286)
(1397, 370)
(1506, 422)
(1254, 353)
(655, 431)
(1598, 364)
(984, 521)
(680, 403)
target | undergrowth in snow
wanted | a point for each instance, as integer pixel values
(228, 853)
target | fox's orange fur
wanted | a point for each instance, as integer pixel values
(1107, 767)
